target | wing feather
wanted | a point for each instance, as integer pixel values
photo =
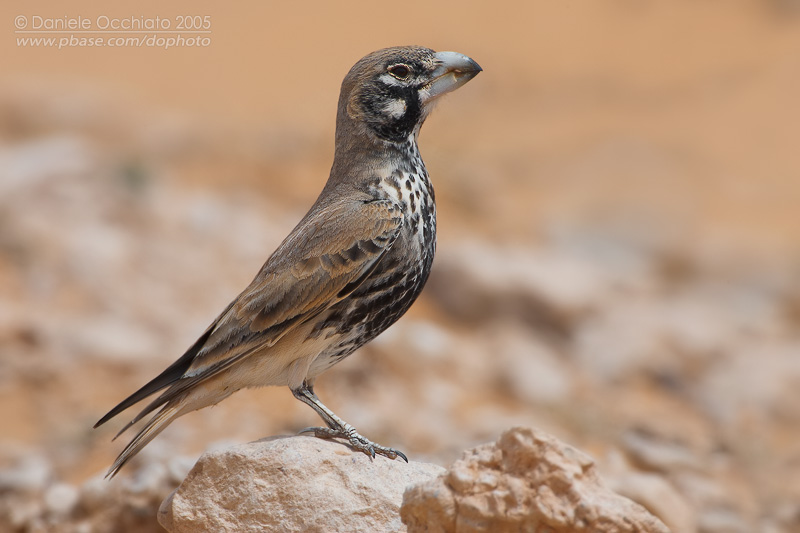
(313, 269)
(326, 257)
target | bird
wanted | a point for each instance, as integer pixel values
(351, 267)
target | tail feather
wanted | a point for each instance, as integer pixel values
(154, 426)
(163, 399)
(168, 377)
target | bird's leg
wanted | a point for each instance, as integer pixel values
(338, 428)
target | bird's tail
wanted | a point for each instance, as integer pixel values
(154, 426)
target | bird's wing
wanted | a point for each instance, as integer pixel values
(321, 262)
(325, 258)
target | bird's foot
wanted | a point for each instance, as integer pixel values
(356, 440)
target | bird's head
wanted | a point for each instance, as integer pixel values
(388, 94)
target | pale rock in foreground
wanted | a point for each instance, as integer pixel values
(292, 484)
(527, 481)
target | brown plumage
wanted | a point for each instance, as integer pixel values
(351, 267)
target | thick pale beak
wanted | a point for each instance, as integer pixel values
(454, 70)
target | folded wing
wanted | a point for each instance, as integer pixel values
(325, 258)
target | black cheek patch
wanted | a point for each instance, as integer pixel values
(374, 101)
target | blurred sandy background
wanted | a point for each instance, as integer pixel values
(619, 244)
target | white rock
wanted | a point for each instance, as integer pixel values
(28, 165)
(292, 484)
(30, 474)
(534, 372)
(60, 499)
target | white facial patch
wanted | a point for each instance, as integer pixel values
(424, 94)
(395, 108)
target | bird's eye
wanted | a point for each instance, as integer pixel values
(401, 72)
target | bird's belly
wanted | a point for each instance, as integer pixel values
(400, 276)
(287, 362)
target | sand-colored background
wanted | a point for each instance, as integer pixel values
(619, 234)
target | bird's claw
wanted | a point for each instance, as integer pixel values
(356, 440)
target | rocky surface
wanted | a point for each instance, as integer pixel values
(527, 481)
(292, 484)
(654, 357)
(617, 264)
(34, 502)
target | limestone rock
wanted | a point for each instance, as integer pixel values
(660, 497)
(32, 502)
(527, 481)
(292, 484)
